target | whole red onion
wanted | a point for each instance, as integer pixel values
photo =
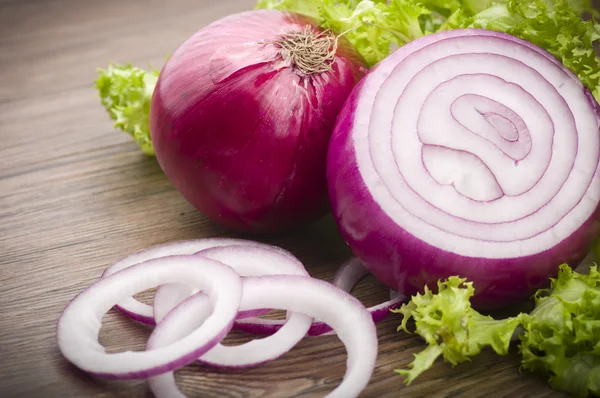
(242, 115)
(469, 153)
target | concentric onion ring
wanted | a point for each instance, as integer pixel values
(302, 294)
(246, 261)
(80, 322)
(347, 276)
(468, 153)
(191, 314)
(142, 312)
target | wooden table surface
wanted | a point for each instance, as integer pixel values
(75, 196)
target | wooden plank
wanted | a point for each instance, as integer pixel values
(75, 196)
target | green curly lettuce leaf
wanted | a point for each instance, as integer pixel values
(555, 25)
(473, 7)
(470, 7)
(560, 338)
(371, 26)
(451, 327)
(126, 92)
(309, 8)
(368, 40)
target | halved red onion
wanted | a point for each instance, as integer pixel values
(142, 312)
(348, 275)
(80, 322)
(299, 294)
(470, 153)
(246, 260)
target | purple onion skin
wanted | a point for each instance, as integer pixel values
(407, 264)
(248, 148)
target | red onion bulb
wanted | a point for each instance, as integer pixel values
(242, 115)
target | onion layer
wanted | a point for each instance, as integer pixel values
(241, 127)
(246, 261)
(79, 324)
(193, 328)
(349, 274)
(351, 321)
(143, 313)
(470, 153)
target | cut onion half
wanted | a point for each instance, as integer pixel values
(79, 324)
(142, 312)
(471, 153)
(299, 294)
(348, 275)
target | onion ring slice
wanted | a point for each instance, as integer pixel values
(79, 324)
(142, 312)
(347, 276)
(190, 314)
(246, 261)
(351, 321)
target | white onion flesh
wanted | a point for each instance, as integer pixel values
(349, 274)
(80, 322)
(351, 321)
(478, 205)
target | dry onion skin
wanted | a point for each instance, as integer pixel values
(470, 153)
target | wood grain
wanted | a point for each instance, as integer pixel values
(75, 196)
